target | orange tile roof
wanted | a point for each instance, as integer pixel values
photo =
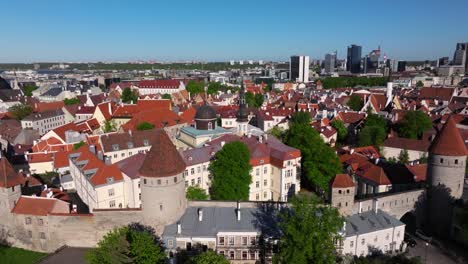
(342, 181)
(40, 157)
(61, 159)
(448, 141)
(8, 176)
(160, 118)
(43, 106)
(40, 206)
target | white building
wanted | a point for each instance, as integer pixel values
(45, 121)
(160, 87)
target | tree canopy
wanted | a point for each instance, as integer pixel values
(129, 96)
(309, 231)
(419, 84)
(319, 162)
(134, 243)
(71, 101)
(166, 96)
(29, 88)
(231, 172)
(403, 157)
(253, 100)
(196, 193)
(144, 126)
(78, 145)
(374, 131)
(340, 82)
(300, 118)
(414, 124)
(209, 257)
(355, 102)
(194, 87)
(109, 126)
(341, 129)
(20, 111)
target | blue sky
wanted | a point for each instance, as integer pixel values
(210, 30)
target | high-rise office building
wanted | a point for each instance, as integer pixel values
(401, 66)
(299, 68)
(330, 62)
(461, 54)
(353, 63)
(371, 63)
(442, 61)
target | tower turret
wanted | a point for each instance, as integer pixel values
(446, 172)
(162, 183)
(10, 186)
(242, 114)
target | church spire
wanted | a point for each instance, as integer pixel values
(242, 115)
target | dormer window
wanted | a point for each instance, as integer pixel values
(145, 142)
(130, 144)
(115, 147)
(110, 180)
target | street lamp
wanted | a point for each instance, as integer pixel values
(425, 256)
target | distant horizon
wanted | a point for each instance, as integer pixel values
(270, 30)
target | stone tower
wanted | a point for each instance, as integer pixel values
(342, 190)
(242, 114)
(446, 172)
(10, 186)
(162, 183)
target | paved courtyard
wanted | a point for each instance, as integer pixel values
(67, 255)
(433, 255)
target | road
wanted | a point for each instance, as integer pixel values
(434, 254)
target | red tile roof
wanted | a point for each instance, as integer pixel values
(163, 159)
(8, 176)
(448, 141)
(342, 181)
(350, 117)
(160, 118)
(44, 107)
(166, 84)
(444, 94)
(407, 143)
(40, 157)
(40, 206)
(419, 171)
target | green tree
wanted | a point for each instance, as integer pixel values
(250, 99)
(109, 126)
(213, 87)
(403, 157)
(194, 87)
(78, 145)
(355, 102)
(414, 124)
(20, 111)
(277, 132)
(71, 101)
(129, 96)
(196, 193)
(372, 136)
(231, 172)
(166, 96)
(319, 162)
(258, 100)
(209, 257)
(29, 88)
(376, 120)
(309, 231)
(300, 118)
(341, 129)
(144, 126)
(462, 219)
(419, 84)
(130, 244)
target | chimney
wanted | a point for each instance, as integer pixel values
(49, 194)
(74, 208)
(360, 208)
(107, 161)
(351, 151)
(222, 143)
(375, 205)
(92, 149)
(100, 155)
(238, 212)
(200, 214)
(376, 161)
(179, 228)
(260, 139)
(130, 132)
(61, 188)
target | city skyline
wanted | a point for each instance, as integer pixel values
(205, 31)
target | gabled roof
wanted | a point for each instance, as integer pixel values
(8, 176)
(164, 84)
(163, 159)
(40, 206)
(342, 181)
(448, 141)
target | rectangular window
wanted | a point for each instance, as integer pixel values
(111, 192)
(28, 220)
(42, 235)
(257, 171)
(221, 241)
(351, 244)
(221, 252)
(257, 184)
(193, 182)
(257, 197)
(253, 241)
(199, 181)
(244, 254)
(41, 222)
(192, 171)
(265, 170)
(198, 169)
(231, 241)
(112, 204)
(363, 241)
(231, 254)
(244, 241)
(170, 243)
(265, 182)
(252, 255)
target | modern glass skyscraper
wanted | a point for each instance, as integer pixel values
(299, 68)
(353, 63)
(330, 62)
(461, 55)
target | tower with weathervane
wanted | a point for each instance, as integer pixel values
(242, 115)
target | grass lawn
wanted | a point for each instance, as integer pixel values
(11, 255)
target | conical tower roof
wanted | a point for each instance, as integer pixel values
(448, 141)
(163, 160)
(8, 176)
